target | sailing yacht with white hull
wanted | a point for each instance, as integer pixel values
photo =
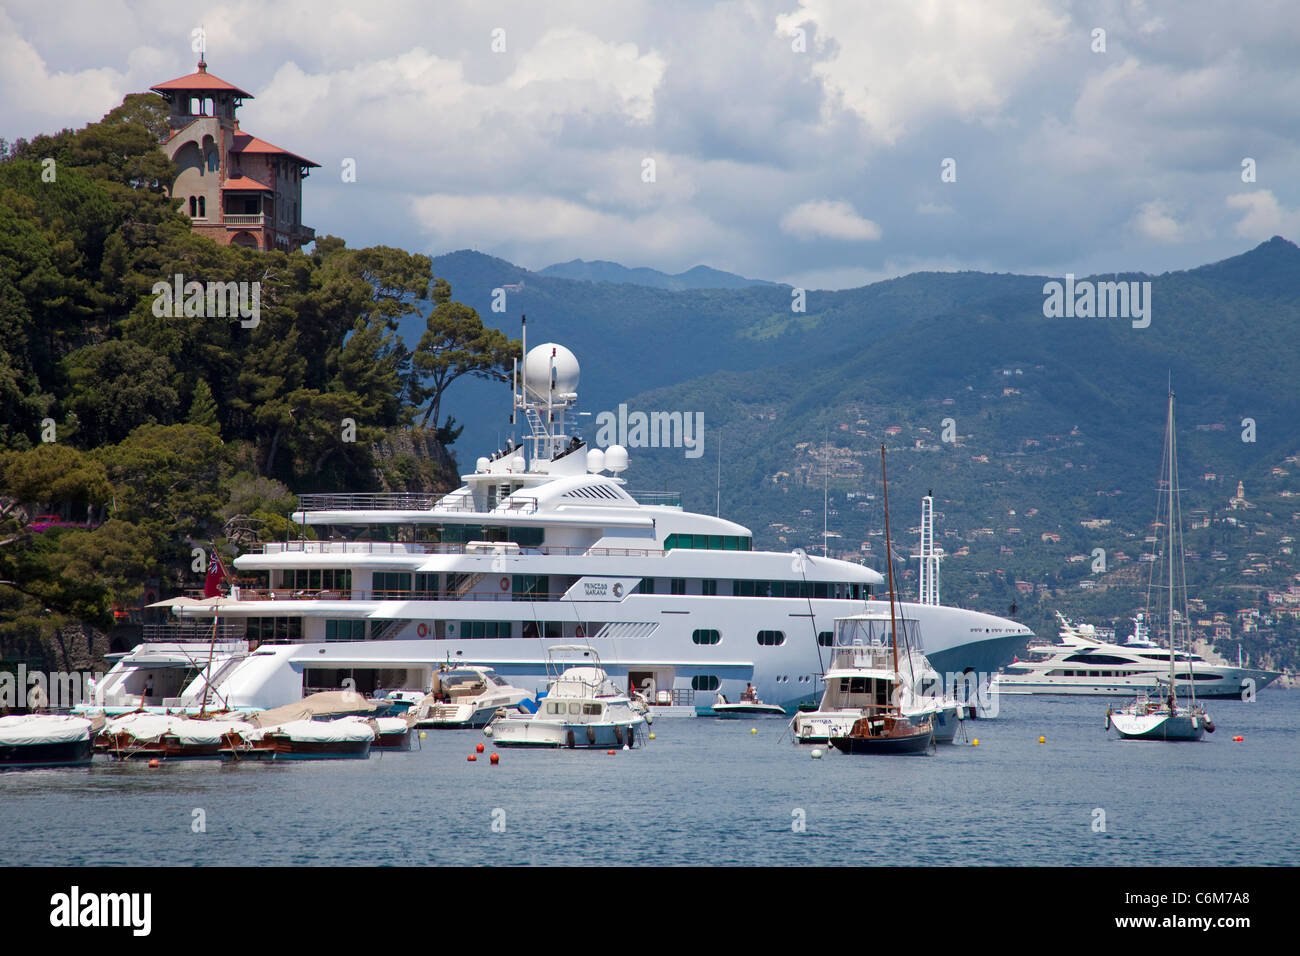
(543, 544)
(1167, 719)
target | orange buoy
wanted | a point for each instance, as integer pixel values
(610, 752)
(1238, 738)
(471, 757)
(478, 749)
(154, 763)
(495, 759)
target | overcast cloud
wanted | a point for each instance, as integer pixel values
(813, 158)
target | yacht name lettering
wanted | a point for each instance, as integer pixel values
(1086, 299)
(596, 588)
(653, 430)
(74, 909)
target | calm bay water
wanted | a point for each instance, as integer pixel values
(704, 792)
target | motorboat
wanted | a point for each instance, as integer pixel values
(466, 696)
(1080, 663)
(46, 740)
(748, 706)
(884, 730)
(861, 681)
(582, 709)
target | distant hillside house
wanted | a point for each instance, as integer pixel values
(237, 189)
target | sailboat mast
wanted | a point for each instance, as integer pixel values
(1169, 518)
(889, 560)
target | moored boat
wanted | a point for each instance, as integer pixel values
(344, 738)
(393, 733)
(1165, 719)
(749, 705)
(147, 736)
(888, 731)
(45, 740)
(466, 696)
(582, 709)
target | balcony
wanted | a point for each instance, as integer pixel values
(244, 220)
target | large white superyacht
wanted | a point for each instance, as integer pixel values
(543, 544)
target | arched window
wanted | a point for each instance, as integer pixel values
(194, 207)
(203, 207)
(212, 161)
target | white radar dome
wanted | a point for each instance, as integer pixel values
(517, 463)
(595, 461)
(481, 465)
(546, 379)
(616, 458)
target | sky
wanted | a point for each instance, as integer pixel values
(823, 143)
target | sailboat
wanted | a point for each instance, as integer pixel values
(1162, 717)
(888, 731)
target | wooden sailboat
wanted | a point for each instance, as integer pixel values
(888, 732)
(1164, 718)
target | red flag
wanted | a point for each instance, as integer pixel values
(216, 575)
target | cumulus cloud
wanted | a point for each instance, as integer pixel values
(823, 219)
(1263, 216)
(1154, 221)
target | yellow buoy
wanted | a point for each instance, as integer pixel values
(652, 736)
(1042, 740)
(975, 742)
(753, 730)
(422, 735)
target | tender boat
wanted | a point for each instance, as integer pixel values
(45, 740)
(1165, 719)
(748, 706)
(888, 731)
(861, 681)
(466, 696)
(582, 709)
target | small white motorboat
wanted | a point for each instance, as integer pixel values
(748, 706)
(466, 696)
(582, 709)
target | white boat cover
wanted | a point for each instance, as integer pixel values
(392, 725)
(191, 732)
(310, 731)
(323, 704)
(25, 730)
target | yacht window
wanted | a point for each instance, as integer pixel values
(554, 708)
(771, 638)
(647, 585)
(575, 708)
(709, 586)
(825, 638)
(591, 709)
(857, 685)
(704, 682)
(679, 585)
(706, 637)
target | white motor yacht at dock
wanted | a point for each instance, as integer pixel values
(544, 543)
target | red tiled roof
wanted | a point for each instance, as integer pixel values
(202, 80)
(244, 182)
(248, 143)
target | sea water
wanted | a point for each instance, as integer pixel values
(704, 792)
